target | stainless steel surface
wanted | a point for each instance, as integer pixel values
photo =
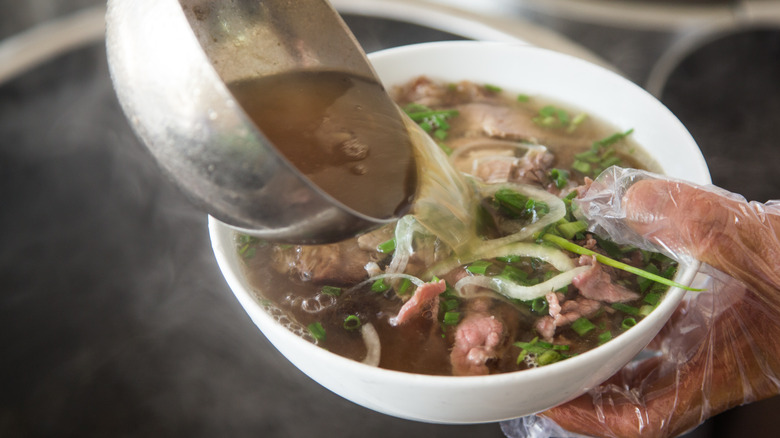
(170, 61)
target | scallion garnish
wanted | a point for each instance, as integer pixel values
(539, 305)
(317, 330)
(605, 337)
(379, 286)
(386, 247)
(548, 357)
(403, 287)
(331, 290)
(652, 298)
(493, 88)
(451, 318)
(628, 323)
(479, 267)
(582, 326)
(631, 310)
(352, 322)
(573, 247)
(570, 229)
(560, 177)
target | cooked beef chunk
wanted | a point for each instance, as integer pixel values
(340, 263)
(564, 312)
(477, 340)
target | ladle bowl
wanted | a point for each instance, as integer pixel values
(170, 61)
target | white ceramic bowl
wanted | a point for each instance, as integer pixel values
(441, 399)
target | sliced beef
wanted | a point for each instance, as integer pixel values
(564, 312)
(426, 297)
(486, 119)
(437, 94)
(596, 284)
(340, 263)
(533, 167)
(478, 339)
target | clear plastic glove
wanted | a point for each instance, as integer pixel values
(721, 348)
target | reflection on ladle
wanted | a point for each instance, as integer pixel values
(171, 62)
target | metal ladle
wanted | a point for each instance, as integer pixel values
(170, 61)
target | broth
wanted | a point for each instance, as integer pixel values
(475, 229)
(341, 131)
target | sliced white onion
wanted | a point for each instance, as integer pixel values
(553, 256)
(513, 290)
(371, 339)
(405, 229)
(416, 281)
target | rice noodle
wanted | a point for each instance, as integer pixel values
(511, 289)
(373, 347)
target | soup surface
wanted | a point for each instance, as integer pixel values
(499, 295)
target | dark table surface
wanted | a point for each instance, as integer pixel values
(114, 318)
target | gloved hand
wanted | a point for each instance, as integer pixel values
(722, 347)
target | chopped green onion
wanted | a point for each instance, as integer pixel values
(247, 251)
(352, 322)
(317, 331)
(548, 357)
(451, 318)
(509, 258)
(523, 98)
(569, 246)
(560, 177)
(581, 167)
(570, 229)
(511, 200)
(576, 121)
(493, 88)
(419, 116)
(450, 304)
(379, 286)
(331, 290)
(631, 310)
(605, 337)
(479, 267)
(403, 288)
(582, 326)
(646, 310)
(612, 139)
(561, 347)
(652, 298)
(386, 247)
(513, 273)
(539, 305)
(628, 323)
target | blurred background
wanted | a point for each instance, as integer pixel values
(114, 319)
